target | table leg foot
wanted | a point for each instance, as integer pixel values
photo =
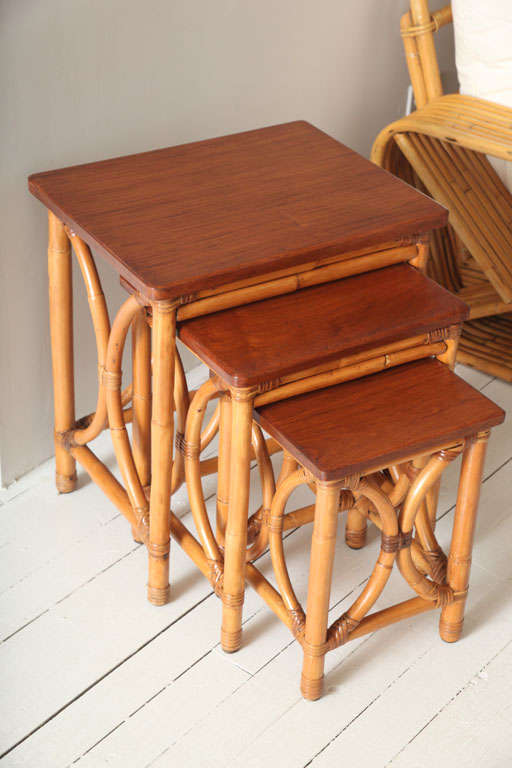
(159, 595)
(65, 483)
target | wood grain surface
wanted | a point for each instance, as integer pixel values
(182, 219)
(378, 420)
(267, 339)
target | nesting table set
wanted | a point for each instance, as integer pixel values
(294, 269)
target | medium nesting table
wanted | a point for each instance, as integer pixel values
(192, 230)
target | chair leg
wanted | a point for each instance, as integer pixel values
(319, 588)
(61, 331)
(459, 560)
(235, 543)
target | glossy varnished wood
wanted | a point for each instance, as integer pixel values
(178, 220)
(378, 420)
(271, 338)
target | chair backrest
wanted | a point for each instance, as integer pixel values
(417, 28)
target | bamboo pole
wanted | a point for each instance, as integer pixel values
(413, 61)
(306, 267)
(420, 15)
(210, 466)
(295, 282)
(359, 357)
(356, 525)
(236, 529)
(426, 479)
(189, 544)
(340, 630)
(459, 559)
(349, 372)
(104, 479)
(267, 592)
(141, 418)
(61, 333)
(181, 406)
(268, 489)
(275, 529)
(319, 589)
(298, 517)
(391, 615)
(162, 424)
(101, 324)
(288, 466)
(112, 378)
(224, 461)
(192, 450)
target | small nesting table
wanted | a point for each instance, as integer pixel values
(192, 230)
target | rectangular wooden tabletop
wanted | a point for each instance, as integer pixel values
(193, 217)
(268, 339)
(378, 420)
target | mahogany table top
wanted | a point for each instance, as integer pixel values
(378, 420)
(194, 217)
(267, 339)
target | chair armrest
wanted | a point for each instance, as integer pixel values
(464, 120)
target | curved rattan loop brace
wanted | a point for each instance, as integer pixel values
(339, 632)
(275, 529)
(268, 486)
(396, 496)
(96, 422)
(399, 491)
(288, 466)
(191, 448)
(429, 549)
(211, 428)
(112, 376)
(181, 406)
(101, 323)
(439, 593)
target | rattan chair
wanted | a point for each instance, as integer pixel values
(442, 149)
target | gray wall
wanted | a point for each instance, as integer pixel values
(83, 80)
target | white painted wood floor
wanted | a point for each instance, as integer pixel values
(92, 674)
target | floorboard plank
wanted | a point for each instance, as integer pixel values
(473, 728)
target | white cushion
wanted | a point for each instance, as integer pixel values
(483, 52)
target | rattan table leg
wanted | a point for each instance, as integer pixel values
(319, 588)
(235, 543)
(61, 331)
(459, 560)
(162, 424)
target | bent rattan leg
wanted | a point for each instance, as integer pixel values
(162, 423)
(459, 560)
(223, 465)
(141, 403)
(61, 331)
(319, 589)
(236, 528)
